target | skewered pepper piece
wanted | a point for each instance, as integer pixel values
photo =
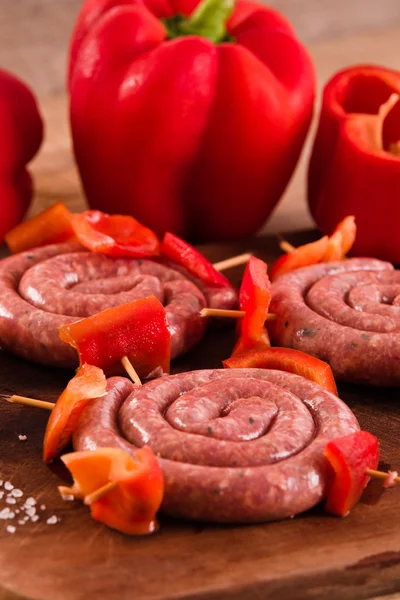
(254, 299)
(326, 249)
(114, 235)
(286, 359)
(349, 458)
(132, 505)
(88, 383)
(183, 254)
(51, 226)
(137, 330)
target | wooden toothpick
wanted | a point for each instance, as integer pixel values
(31, 402)
(234, 261)
(129, 368)
(102, 491)
(233, 314)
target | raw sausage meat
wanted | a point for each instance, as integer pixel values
(346, 313)
(243, 445)
(43, 289)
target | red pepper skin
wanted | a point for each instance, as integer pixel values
(152, 133)
(349, 457)
(349, 171)
(183, 254)
(21, 135)
(286, 359)
(138, 330)
(254, 299)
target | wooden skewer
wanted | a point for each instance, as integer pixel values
(234, 261)
(286, 246)
(31, 402)
(69, 491)
(129, 368)
(379, 475)
(233, 314)
(102, 491)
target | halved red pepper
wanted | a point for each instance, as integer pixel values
(90, 382)
(254, 299)
(51, 226)
(138, 330)
(349, 457)
(132, 505)
(183, 254)
(286, 359)
(114, 235)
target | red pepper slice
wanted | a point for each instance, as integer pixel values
(183, 254)
(137, 330)
(254, 299)
(348, 230)
(349, 456)
(114, 235)
(51, 226)
(286, 359)
(303, 256)
(132, 505)
(88, 383)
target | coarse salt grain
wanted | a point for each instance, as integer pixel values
(31, 511)
(8, 486)
(52, 520)
(30, 501)
(35, 518)
(21, 522)
(22, 437)
(17, 493)
(68, 497)
(4, 513)
(11, 514)
(10, 528)
(11, 500)
(1, 495)
(42, 507)
(1, 482)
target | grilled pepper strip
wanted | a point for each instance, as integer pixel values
(286, 359)
(88, 383)
(254, 299)
(355, 163)
(132, 505)
(51, 226)
(137, 330)
(184, 255)
(349, 457)
(114, 235)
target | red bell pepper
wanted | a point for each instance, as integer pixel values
(254, 299)
(183, 254)
(132, 505)
(349, 458)
(114, 235)
(88, 383)
(286, 359)
(21, 135)
(355, 164)
(192, 115)
(137, 330)
(51, 226)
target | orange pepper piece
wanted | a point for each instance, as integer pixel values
(254, 299)
(138, 330)
(114, 235)
(132, 505)
(348, 230)
(286, 359)
(88, 383)
(51, 226)
(303, 256)
(349, 457)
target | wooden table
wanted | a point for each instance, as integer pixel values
(311, 556)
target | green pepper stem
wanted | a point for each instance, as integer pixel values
(208, 20)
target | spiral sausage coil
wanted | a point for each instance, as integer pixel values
(240, 446)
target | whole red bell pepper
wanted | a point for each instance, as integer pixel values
(21, 135)
(355, 163)
(188, 116)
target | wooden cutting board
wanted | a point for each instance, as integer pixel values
(311, 556)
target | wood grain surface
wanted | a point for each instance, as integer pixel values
(311, 556)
